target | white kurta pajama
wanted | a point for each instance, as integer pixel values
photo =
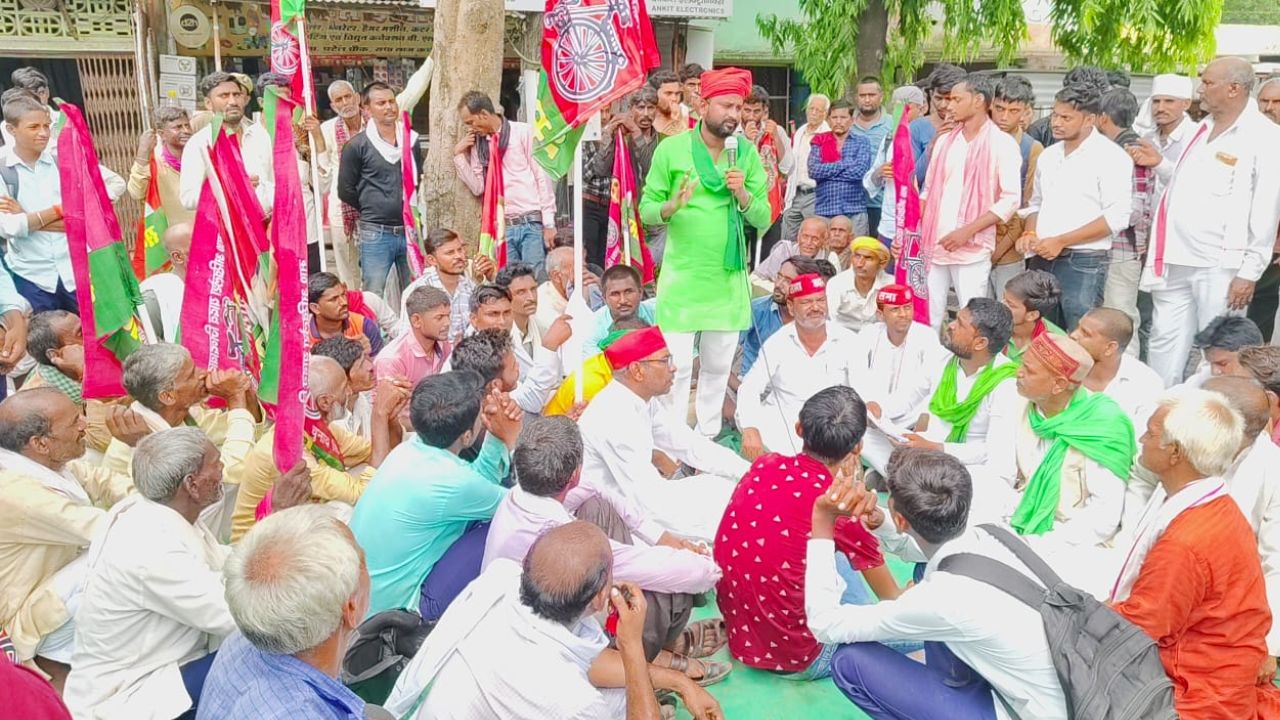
(847, 306)
(1090, 499)
(987, 450)
(619, 434)
(785, 376)
(1254, 483)
(154, 601)
(886, 369)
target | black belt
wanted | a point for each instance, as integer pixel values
(529, 218)
(383, 228)
(805, 190)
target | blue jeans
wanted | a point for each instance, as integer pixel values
(194, 674)
(524, 244)
(1082, 275)
(382, 247)
(890, 686)
(459, 565)
(41, 300)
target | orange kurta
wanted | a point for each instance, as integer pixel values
(1200, 594)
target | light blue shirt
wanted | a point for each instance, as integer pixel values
(41, 256)
(9, 297)
(875, 136)
(646, 311)
(420, 501)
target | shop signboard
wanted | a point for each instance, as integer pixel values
(690, 8)
(331, 32)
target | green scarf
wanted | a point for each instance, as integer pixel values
(735, 252)
(55, 378)
(1091, 423)
(946, 406)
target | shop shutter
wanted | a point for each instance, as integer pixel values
(113, 111)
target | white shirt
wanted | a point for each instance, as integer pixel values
(1254, 483)
(847, 306)
(1136, 388)
(170, 290)
(785, 376)
(619, 434)
(329, 131)
(1223, 198)
(886, 367)
(797, 172)
(154, 601)
(1170, 149)
(1072, 190)
(1007, 158)
(993, 632)
(522, 517)
(540, 672)
(255, 150)
(989, 439)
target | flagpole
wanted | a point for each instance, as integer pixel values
(217, 37)
(579, 259)
(309, 97)
(140, 64)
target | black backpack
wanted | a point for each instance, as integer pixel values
(384, 645)
(1109, 668)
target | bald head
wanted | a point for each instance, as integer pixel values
(1248, 398)
(1225, 85)
(1235, 70)
(41, 402)
(177, 242)
(325, 375)
(842, 222)
(1113, 324)
(44, 425)
(566, 569)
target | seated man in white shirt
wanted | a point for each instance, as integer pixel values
(671, 571)
(154, 607)
(525, 644)
(851, 294)
(972, 405)
(984, 649)
(810, 354)
(168, 288)
(625, 423)
(811, 242)
(893, 354)
(1074, 449)
(491, 353)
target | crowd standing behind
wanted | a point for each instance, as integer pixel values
(1070, 386)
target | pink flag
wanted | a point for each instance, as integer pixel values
(910, 270)
(625, 237)
(408, 177)
(289, 243)
(222, 309)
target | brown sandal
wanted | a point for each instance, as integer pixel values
(712, 671)
(702, 638)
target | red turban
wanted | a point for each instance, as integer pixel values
(809, 284)
(895, 295)
(726, 81)
(635, 345)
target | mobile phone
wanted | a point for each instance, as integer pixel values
(611, 622)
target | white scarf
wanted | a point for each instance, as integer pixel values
(1161, 510)
(389, 152)
(62, 483)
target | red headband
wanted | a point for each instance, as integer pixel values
(635, 345)
(894, 295)
(726, 81)
(809, 284)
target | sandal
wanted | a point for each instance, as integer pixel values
(712, 671)
(702, 638)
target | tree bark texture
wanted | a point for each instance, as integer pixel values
(468, 56)
(873, 35)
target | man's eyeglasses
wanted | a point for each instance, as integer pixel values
(669, 361)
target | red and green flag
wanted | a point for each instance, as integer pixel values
(625, 244)
(284, 372)
(149, 256)
(287, 57)
(593, 52)
(912, 269)
(106, 288)
(493, 219)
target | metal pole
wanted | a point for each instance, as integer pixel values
(309, 97)
(140, 63)
(579, 258)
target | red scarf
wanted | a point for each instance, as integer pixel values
(828, 148)
(767, 145)
(320, 441)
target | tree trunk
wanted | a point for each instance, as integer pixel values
(873, 35)
(468, 54)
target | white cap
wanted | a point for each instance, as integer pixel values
(907, 94)
(1174, 86)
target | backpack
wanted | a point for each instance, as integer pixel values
(383, 646)
(9, 175)
(1109, 668)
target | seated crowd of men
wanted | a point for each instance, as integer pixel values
(516, 479)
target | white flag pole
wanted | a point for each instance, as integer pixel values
(579, 259)
(309, 97)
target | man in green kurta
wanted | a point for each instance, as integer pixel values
(705, 202)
